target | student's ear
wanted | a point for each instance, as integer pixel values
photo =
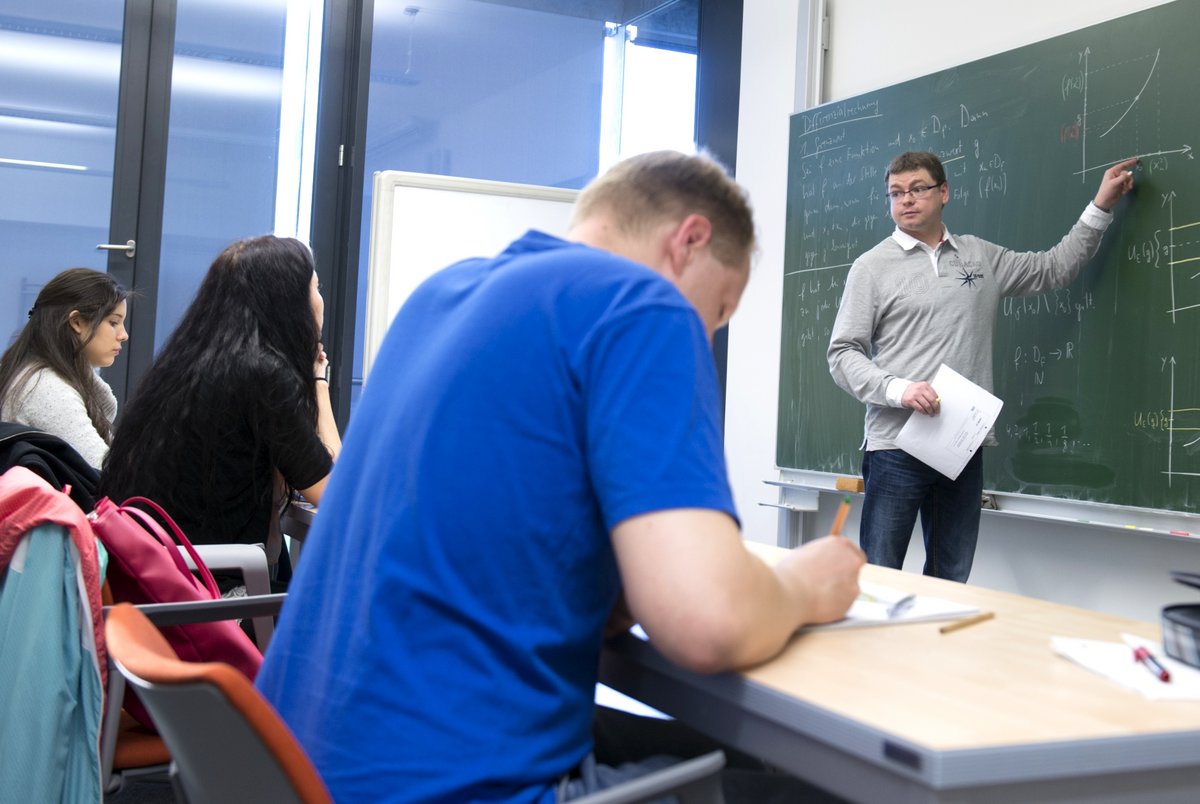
(76, 321)
(692, 234)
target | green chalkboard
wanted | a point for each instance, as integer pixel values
(1100, 380)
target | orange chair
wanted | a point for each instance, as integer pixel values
(227, 744)
(128, 750)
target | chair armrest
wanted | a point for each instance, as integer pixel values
(203, 611)
(295, 521)
(693, 781)
(251, 561)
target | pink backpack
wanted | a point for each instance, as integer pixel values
(144, 566)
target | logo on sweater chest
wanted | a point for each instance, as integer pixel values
(967, 272)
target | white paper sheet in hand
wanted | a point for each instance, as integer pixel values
(947, 440)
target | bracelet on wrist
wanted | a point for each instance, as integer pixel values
(320, 379)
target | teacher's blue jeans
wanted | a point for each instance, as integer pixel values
(898, 487)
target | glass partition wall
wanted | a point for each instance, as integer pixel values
(545, 92)
(237, 134)
(59, 70)
(185, 124)
(231, 157)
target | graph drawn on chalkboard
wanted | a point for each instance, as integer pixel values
(1100, 380)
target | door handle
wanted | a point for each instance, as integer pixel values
(129, 247)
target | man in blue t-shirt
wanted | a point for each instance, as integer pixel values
(540, 434)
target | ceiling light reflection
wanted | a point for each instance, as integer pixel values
(32, 163)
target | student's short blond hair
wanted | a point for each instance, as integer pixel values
(643, 191)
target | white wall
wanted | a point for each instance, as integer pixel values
(1109, 570)
(944, 33)
(772, 70)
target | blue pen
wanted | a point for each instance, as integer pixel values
(900, 606)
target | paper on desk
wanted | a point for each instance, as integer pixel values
(1114, 661)
(948, 440)
(875, 601)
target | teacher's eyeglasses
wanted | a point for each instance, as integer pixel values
(916, 192)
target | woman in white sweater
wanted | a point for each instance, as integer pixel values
(49, 378)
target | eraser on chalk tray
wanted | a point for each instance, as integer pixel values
(849, 484)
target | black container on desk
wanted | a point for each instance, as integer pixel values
(1181, 624)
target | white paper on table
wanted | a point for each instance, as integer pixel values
(874, 607)
(1114, 661)
(947, 440)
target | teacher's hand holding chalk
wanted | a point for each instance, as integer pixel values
(1117, 181)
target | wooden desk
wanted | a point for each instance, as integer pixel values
(905, 713)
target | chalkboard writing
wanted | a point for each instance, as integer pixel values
(1101, 379)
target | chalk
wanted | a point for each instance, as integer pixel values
(1179, 533)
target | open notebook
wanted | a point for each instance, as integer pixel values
(883, 605)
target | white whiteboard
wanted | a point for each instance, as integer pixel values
(421, 223)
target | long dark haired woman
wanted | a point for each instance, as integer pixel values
(235, 409)
(48, 376)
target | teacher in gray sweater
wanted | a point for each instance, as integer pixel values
(921, 298)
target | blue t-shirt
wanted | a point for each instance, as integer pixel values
(441, 636)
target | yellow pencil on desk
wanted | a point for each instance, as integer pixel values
(957, 624)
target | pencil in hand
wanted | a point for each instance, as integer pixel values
(840, 519)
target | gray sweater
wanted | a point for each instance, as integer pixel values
(899, 320)
(46, 401)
